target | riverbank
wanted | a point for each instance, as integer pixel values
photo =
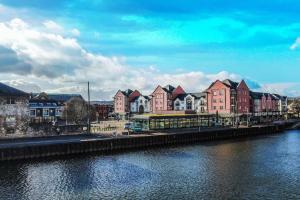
(59, 146)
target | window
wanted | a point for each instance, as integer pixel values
(189, 104)
(221, 100)
(221, 92)
(46, 112)
(215, 93)
(10, 101)
(214, 107)
(214, 100)
(32, 113)
(221, 107)
(58, 112)
(177, 105)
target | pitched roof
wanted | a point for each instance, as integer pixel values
(63, 97)
(181, 97)
(135, 98)
(280, 97)
(230, 83)
(102, 102)
(147, 97)
(6, 90)
(127, 92)
(198, 95)
(256, 95)
(169, 88)
(36, 100)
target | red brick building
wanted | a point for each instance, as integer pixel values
(104, 109)
(122, 101)
(162, 98)
(228, 97)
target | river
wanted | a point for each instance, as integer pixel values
(265, 167)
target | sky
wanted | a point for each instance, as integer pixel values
(57, 46)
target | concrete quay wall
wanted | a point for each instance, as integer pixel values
(111, 145)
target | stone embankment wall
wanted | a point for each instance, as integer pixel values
(110, 145)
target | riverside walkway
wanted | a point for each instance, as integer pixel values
(64, 139)
(28, 148)
(48, 140)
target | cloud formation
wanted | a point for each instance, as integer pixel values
(296, 44)
(57, 63)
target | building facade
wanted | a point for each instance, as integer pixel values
(200, 102)
(45, 108)
(140, 104)
(184, 102)
(13, 109)
(228, 97)
(162, 98)
(225, 98)
(104, 109)
(122, 101)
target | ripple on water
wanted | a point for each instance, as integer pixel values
(254, 168)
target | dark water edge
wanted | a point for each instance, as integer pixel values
(265, 167)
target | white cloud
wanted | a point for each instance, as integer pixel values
(75, 32)
(57, 64)
(51, 25)
(289, 89)
(296, 44)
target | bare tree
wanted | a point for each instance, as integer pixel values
(76, 111)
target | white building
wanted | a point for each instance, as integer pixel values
(191, 101)
(140, 104)
(282, 103)
(200, 102)
(184, 102)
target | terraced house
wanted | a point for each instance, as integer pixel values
(228, 97)
(162, 98)
(122, 101)
(225, 98)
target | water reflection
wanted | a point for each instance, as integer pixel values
(253, 168)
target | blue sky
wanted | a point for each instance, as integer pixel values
(255, 40)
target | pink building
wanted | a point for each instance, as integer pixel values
(122, 101)
(265, 102)
(227, 97)
(243, 98)
(162, 98)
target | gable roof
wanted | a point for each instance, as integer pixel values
(198, 95)
(181, 97)
(135, 98)
(57, 97)
(280, 97)
(6, 90)
(256, 95)
(230, 83)
(127, 92)
(102, 103)
(169, 88)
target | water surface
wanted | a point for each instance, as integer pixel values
(265, 167)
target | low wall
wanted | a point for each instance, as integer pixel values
(109, 145)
